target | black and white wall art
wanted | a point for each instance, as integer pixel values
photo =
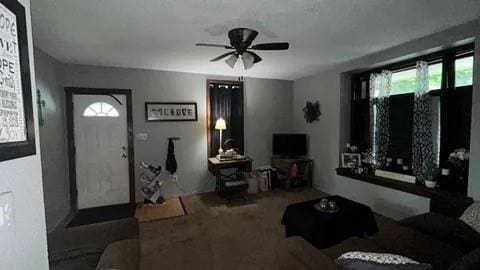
(171, 111)
(17, 136)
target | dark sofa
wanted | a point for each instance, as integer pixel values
(438, 238)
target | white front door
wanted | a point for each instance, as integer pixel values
(101, 150)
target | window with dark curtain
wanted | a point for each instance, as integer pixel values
(225, 100)
(450, 85)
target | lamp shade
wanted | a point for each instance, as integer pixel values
(220, 124)
(248, 60)
(231, 61)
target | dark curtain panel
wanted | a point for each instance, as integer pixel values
(401, 127)
(226, 101)
(360, 114)
(236, 124)
(456, 114)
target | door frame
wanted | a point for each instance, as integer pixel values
(69, 92)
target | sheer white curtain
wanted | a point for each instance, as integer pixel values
(380, 86)
(423, 157)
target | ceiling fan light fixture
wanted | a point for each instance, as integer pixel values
(232, 60)
(240, 42)
(248, 60)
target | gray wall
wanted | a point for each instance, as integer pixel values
(328, 136)
(22, 178)
(474, 178)
(268, 109)
(53, 141)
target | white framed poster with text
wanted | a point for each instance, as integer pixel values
(17, 135)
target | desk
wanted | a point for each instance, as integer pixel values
(216, 166)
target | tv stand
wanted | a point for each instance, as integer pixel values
(284, 169)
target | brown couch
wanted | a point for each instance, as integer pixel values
(438, 238)
(121, 255)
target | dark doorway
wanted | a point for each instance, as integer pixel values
(225, 100)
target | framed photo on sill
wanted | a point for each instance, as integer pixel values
(17, 134)
(350, 160)
(171, 111)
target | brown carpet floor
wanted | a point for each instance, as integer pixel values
(216, 235)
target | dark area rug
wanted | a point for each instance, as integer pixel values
(102, 214)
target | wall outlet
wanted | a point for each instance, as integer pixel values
(174, 178)
(141, 136)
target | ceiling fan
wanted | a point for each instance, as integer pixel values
(240, 42)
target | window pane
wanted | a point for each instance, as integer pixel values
(100, 109)
(435, 76)
(403, 82)
(96, 107)
(464, 71)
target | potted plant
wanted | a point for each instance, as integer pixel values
(431, 183)
(432, 177)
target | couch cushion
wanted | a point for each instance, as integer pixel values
(121, 255)
(418, 246)
(470, 261)
(449, 230)
(352, 244)
(296, 253)
(471, 216)
(378, 261)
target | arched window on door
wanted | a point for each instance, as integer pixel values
(100, 109)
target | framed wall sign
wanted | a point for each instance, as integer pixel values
(171, 111)
(17, 134)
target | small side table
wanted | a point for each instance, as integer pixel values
(232, 185)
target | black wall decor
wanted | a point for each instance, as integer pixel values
(312, 111)
(17, 134)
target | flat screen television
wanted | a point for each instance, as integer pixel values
(290, 145)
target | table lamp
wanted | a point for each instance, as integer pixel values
(220, 125)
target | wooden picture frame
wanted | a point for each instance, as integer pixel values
(351, 160)
(171, 111)
(17, 132)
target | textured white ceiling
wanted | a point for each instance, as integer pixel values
(160, 34)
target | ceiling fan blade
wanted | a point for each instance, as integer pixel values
(222, 56)
(214, 45)
(256, 58)
(271, 46)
